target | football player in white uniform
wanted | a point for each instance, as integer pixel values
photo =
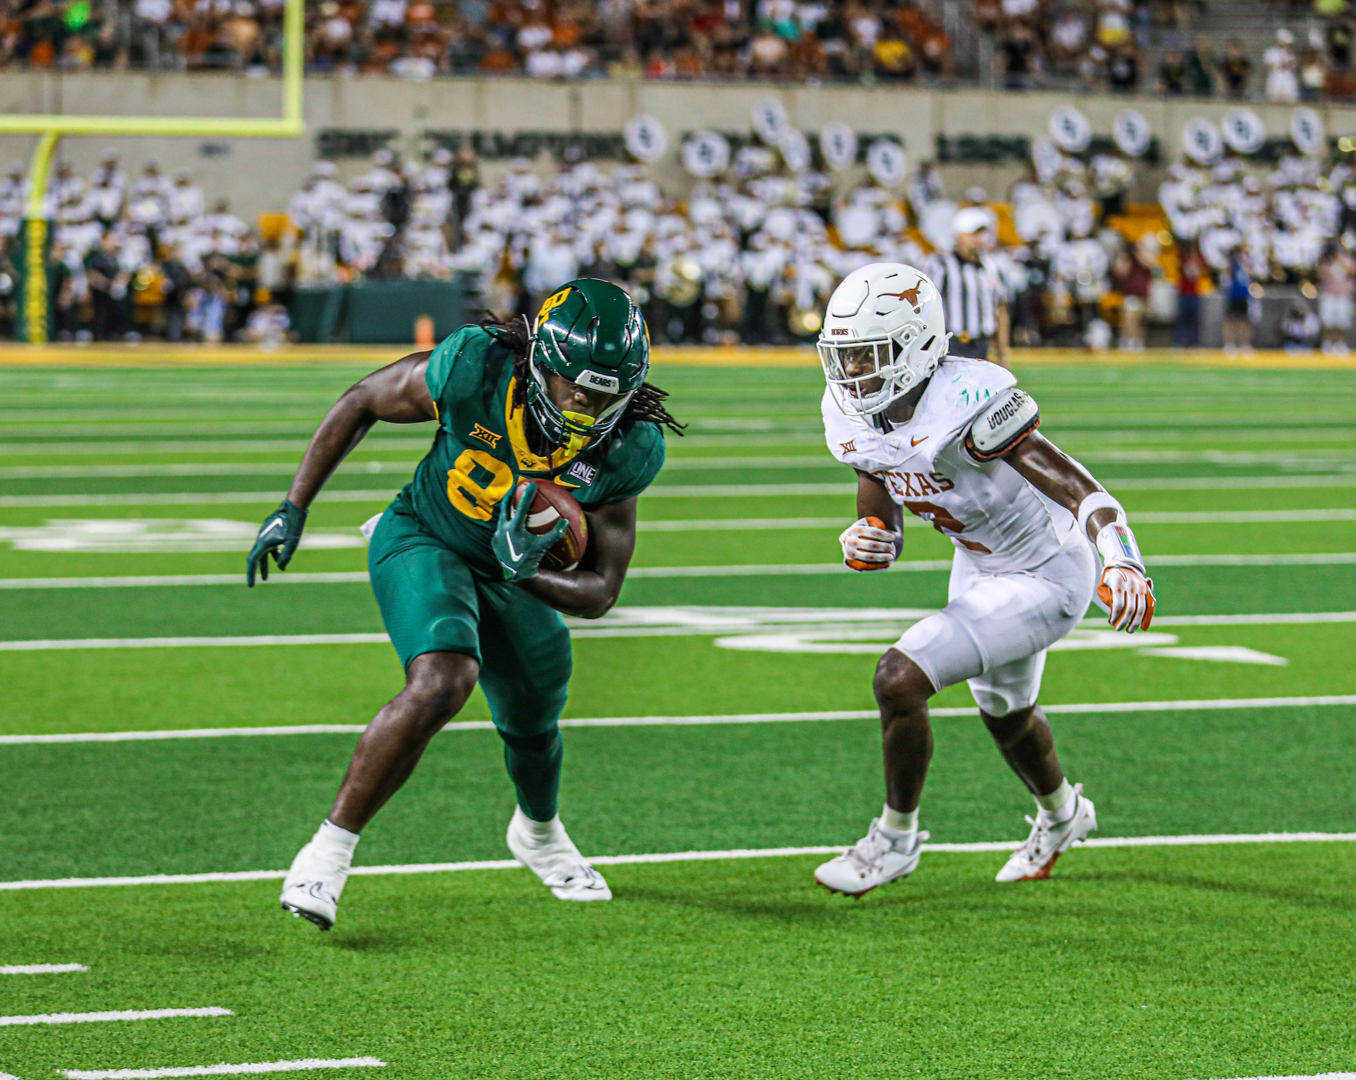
(954, 441)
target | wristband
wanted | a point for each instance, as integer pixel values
(1117, 546)
(1098, 500)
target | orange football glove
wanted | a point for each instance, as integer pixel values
(868, 545)
(1129, 595)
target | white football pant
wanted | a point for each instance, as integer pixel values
(995, 628)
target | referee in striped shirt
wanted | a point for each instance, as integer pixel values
(976, 312)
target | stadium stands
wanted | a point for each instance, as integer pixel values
(1176, 46)
(749, 255)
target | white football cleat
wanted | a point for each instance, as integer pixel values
(312, 887)
(1034, 860)
(555, 860)
(870, 863)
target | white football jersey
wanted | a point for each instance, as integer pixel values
(988, 511)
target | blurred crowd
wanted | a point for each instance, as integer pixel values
(146, 255)
(1239, 228)
(418, 39)
(753, 255)
(195, 35)
(1148, 46)
(1118, 45)
(750, 256)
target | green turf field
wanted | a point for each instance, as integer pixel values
(128, 497)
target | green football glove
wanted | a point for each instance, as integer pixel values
(278, 536)
(520, 552)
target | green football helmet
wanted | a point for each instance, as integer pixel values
(592, 333)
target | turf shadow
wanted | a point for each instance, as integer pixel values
(811, 905)
(376, 942)
(1293, 897)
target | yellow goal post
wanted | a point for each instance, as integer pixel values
(50, 127)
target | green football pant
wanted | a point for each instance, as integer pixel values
(431, 601)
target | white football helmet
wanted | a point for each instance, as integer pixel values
(885, 321)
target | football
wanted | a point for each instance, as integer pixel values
(552, 503)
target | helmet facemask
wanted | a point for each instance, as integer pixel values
(900, 360)
(564, 428)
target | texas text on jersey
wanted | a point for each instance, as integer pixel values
(984, 507)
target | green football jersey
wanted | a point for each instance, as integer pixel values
(481, 451)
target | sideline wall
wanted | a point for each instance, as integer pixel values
(260, 175)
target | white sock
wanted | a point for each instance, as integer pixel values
(1058, 806)
(335, 841)
(897, 821)
(540, 830)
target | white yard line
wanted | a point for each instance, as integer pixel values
(1334, 558)
(1222, 483)
(155, 580)
(214, 541)
(259, 468)
(193, 642)
(1323, 558)
(1093, 708)
(772, 569)
(668, 857)
(1149, 517)
(1306, 1076)
(755, 524)
(286, 468)
(669, 627)
(1327, 456)
(39, 969)
(1266, 618)
(1320, 558)
(102, 1017)
(1321, 464)
(187, 498)
(756, 570)
(195, 498)
(190, 446)
(659, 491)
(1239, 517)
(302, 1065)
(1315, 1076)
(208, 733)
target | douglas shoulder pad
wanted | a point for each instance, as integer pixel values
(1006, 421)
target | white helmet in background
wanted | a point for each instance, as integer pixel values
(885, 321)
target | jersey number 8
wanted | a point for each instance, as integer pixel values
(473, 499)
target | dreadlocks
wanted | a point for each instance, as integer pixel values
(646, 405)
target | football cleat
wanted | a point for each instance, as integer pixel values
(313, 885)
(871, 862)
(1034, 860)
(555, 860)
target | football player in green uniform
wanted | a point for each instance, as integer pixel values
(457, 574)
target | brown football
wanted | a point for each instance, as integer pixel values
(552, 503)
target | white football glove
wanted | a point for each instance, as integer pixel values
(868, 544)
(1125, 589)
(1129, 595)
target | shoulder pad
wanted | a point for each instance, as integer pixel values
(1005, 421)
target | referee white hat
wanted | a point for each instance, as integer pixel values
(972, 219)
